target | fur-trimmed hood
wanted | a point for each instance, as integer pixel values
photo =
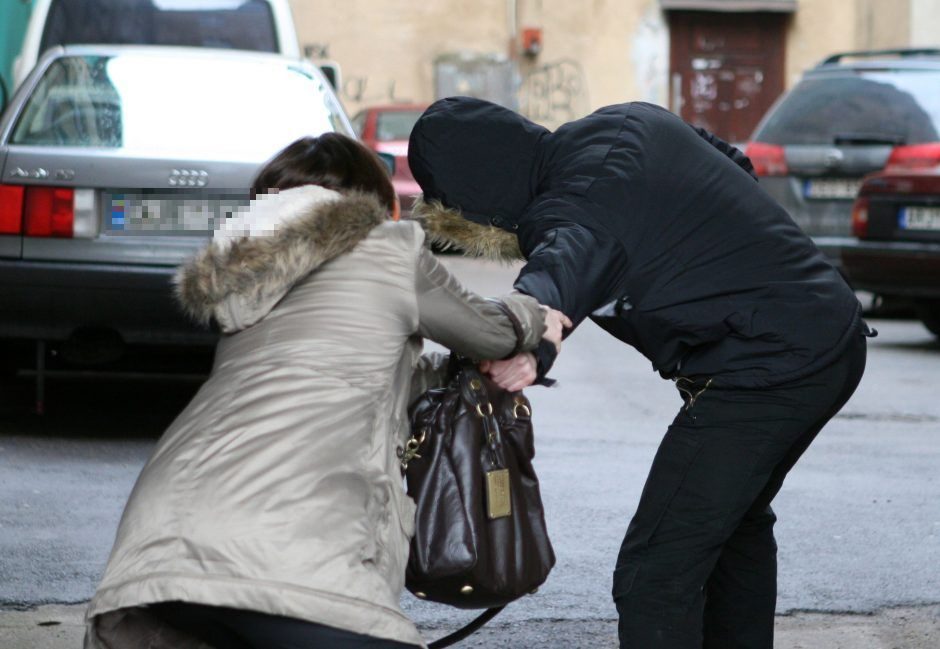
(449, 229)
(259, 254)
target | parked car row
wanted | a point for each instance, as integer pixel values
(865, 126)
(116, 162)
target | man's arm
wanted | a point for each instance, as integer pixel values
(571, 270)
(731, 151)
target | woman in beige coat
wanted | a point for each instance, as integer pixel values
(272, 513)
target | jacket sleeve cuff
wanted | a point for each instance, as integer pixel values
(545, 355)
(528, 319)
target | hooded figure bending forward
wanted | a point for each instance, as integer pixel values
(660, 234)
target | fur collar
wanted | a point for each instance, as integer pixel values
(255, 260)
(448, 229)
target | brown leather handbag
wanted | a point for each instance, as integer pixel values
(480, 537)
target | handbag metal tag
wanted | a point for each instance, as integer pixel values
(498, 502)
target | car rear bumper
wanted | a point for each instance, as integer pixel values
(894, 268)
(49, 301)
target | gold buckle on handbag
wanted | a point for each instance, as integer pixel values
(410, 452)
(519, 404)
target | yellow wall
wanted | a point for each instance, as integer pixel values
(925, 23)
(386, 47)
(595, 52)
(822, 27)
(819, 28)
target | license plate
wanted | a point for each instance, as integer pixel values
(831, 188)
(919, 218)
(168, 214)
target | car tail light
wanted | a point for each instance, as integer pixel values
(768, 159)
(11, 209)
(860, 217)
(49, 212)
(914, 156)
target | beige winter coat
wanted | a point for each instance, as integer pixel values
(278, 488)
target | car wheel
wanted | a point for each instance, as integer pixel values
(929, 314)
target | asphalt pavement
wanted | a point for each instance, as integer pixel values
(859, 517)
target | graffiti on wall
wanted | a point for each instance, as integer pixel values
(550, 94)
(554, 93)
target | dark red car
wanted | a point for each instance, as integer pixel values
(896, 218)
(386, 129)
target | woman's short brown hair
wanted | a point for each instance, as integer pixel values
(332, 160)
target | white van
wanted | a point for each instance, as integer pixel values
(257, 25)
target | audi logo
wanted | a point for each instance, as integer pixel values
(189, 178)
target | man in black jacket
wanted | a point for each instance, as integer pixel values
(661, 235)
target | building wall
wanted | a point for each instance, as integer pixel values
(386, 49)
(883, 24)
(925, 23)
(822, 27)
(819, 28)
(595, 52)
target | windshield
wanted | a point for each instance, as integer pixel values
(395, 125)
(197, 107)
(894, 107)
(230, 24)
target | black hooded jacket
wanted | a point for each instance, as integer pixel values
(656, 231)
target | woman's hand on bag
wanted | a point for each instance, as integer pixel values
(514, 373)
(555, 324)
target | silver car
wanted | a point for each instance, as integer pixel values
(839, 123)
(116, 164)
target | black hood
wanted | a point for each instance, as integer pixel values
(477, 157)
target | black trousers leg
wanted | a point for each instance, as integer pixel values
(230, 628)
(741, 592)
(704, 517)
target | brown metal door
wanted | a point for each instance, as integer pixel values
(726, 69)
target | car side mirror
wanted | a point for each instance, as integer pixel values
(389, 161)
(331, 71)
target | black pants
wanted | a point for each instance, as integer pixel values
(231, 628)
(698, 565)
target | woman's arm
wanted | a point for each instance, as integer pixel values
(467, 323)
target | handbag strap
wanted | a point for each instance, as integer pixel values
(466, 630)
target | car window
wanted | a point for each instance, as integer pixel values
(900, 106)
(395, 125)
(230, 24)
(203, 107)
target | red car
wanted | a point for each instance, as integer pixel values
(897, 221)
(386, 129)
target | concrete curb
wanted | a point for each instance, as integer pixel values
(61, 627)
